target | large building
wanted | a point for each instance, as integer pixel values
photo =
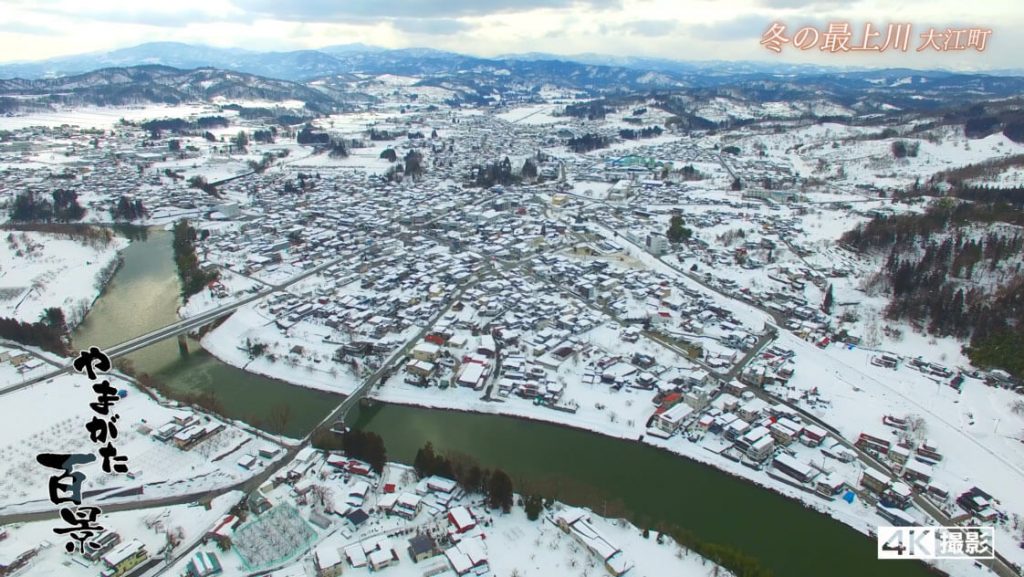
(657, 243)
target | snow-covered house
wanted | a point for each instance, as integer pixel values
(576, 522)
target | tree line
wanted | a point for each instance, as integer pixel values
(992, 194)
(62, 206)
(199, 182)
(886, 231)
(49, 333)
(466, 471)
(593, 110)
(193, 278)
(588, 142)
(494, 173)
(310, 136)
(129, 209)
(92, 235)
(335, 147)
(648, 132)
(498, 489)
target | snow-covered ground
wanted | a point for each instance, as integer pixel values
(539, 114)
(43, 270)
(52, 417)
(977, 430)
(312, 367)
(155, 528)
(105, 117)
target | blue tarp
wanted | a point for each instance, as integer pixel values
(849, 497)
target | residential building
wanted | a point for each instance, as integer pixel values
(328, 561)
(123, 558)
(421, 547)
(670, 420)
(875, 481)
(205, 564)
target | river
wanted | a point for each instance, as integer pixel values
(143, 296)
(608, 474)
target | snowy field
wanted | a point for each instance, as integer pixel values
(311, 368)
(977, 431)
(159, 468)
(42, 270)
(538, 114)
(105, 117)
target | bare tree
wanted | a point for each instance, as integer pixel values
(917, 427)
(1018, 407)
(322, 495)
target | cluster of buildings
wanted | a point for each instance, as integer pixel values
(186, 430)
(364, 520)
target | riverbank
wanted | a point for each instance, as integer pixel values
(866, 522)
(863, 519)
(460, 399)
(227, 344)
(41, 270)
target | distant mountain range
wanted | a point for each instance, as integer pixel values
(154, 83)
(334, 77)
(303, 65)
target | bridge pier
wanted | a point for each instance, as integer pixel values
(183, 345)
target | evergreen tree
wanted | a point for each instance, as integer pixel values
(53, 317)
(338, 149)
(366, 446)
(193, 278)
(241, 140)
(529, 171)
(533, 505)
(499, 491)
(414, 164)
(27, 206)
(676, 231)
(424, 461)
(65, 205)
(39, 334)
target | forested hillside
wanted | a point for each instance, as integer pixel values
(955, 270)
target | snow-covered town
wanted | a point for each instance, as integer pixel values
(818, 296)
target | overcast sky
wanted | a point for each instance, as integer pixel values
(677, 29)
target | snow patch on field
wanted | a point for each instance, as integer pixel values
(53, 415)
(42, 270)
(105, 117)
